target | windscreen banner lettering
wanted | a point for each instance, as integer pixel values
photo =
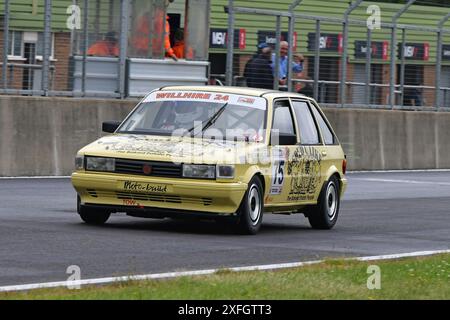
(191, 95)
(233, 99)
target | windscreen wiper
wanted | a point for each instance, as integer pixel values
(211, 120)
(214, 118)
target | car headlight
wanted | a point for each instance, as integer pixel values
(200, 171)
(79, 162)
(100, 164)
(225, 172)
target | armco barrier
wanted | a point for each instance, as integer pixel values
(40, 136)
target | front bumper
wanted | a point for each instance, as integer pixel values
(208, 196)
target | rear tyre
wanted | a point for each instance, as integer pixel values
(92, 216)
(252, 208)
(324, 215)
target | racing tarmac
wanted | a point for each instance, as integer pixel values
(382, 213)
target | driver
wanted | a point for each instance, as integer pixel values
(183, 116)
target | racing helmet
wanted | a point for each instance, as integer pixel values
(187, 113)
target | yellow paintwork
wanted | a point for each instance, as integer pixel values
(223, 195)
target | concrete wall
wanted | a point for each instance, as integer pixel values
(388, 139)
(40, 136)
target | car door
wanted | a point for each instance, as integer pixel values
(283, 143)
(331, 151)
(306, 161)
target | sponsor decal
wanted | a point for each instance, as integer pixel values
(219, 36)
(446, 52)
(270, 37)
(379, 49)
(415, 51)
(278, 170)
(304, 170)
(330, 42)
(144, 187)
(130, 202)
(182, 95)
(246, 100)
(234, 99)
(135, 144)
(242, 39)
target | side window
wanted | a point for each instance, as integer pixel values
(328, 136)
(282, 118)
(306, 124)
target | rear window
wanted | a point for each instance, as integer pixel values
(328, 136)
(305, 122)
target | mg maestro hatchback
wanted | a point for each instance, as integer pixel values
(215, 152)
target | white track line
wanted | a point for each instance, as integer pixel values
(168, 275)
(35, 177)
(402, 181)
(398, 171)
(401, 255)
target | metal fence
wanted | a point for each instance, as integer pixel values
(102, 48)
(340, 60)
(395, 73)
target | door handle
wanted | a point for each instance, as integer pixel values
(324, 153)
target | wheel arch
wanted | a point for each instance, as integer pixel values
(255, 171)
(333, 171)
(251, 172)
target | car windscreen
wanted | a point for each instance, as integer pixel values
(209, 115)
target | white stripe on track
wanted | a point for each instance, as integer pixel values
(402, 181)
(398, 171)
(35, 177)
(204, 272)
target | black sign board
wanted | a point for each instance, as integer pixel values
(270, 37)
(446, 52)
(331, 42)
(415, 51)
(379, 49)
(218, 38)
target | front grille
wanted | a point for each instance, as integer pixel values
(158, 169)
(150, 197)
(92, 193)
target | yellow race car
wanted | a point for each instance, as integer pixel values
(215, 152)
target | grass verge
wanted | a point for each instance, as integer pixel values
(411, 278)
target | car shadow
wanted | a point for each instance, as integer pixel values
(198, 227)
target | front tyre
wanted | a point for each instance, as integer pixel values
(92, 216)
(324, 215)
(251, 208)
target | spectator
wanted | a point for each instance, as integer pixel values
(141, 37)
(106, 47)
(297, 64)
(178, 47)
(258, 52)
(413, 97)
(258, 72)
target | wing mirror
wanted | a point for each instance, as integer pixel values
(110, 126)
